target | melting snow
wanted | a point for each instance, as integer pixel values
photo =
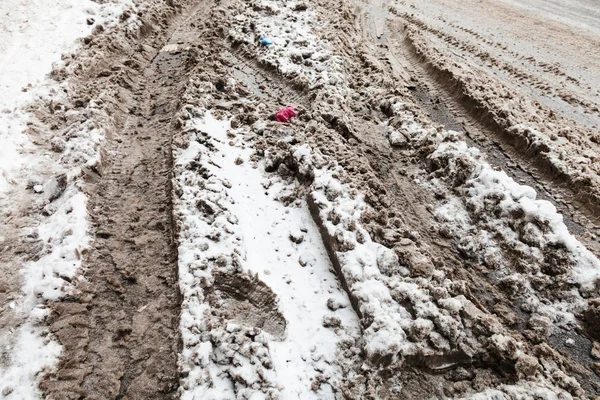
(283, 246)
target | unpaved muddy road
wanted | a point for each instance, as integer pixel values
(426, 227)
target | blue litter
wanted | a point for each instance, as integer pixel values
(265, 42)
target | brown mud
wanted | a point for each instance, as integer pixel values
(120, 336)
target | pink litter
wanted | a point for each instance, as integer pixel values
(286, 114)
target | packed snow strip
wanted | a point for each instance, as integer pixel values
(220, 359)
(234, 229)
(373, 274)
(34, 35)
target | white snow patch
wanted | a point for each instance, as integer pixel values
(272, 240)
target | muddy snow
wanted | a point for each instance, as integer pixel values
(423, 226)
(242, 229)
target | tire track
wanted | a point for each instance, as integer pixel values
(121, 334)
(449, 106)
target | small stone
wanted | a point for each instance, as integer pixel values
(331, 321)
(306, 260)
(420, 265)
(90, 21)
(222, 261)
(570, 342)
(300, 7)
(596, 351)
(406, 242)
(239, 161)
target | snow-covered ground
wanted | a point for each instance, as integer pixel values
(33, 36)
(279, 244)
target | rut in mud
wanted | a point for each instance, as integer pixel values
(523, 104)
(120, 336)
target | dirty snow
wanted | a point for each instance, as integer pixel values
(297, 52)
(438, 332)
(489, 213)
(33, 35)
(280, 244)
(232, 220)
